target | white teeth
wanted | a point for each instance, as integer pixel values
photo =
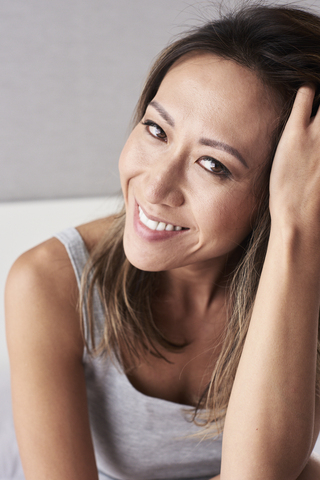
(143, 217)
(152, 225)
(156, 225)
(161, 226)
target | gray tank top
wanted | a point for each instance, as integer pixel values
(137, 437)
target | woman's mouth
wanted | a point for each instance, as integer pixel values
(159, 226)
(155, 228)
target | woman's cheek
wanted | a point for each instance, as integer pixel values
(124, 158)
(127, 166)
(133, 158)
(234, 215)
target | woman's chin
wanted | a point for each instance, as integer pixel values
(141, 261)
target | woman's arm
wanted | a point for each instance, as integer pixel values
(272, 420)
(48, 384)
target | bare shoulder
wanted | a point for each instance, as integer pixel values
(41, 300)
(47, 263)
(42, 270)
(42, 294)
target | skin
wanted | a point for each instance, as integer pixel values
(170, 177)
(270, 432)
(282, 338)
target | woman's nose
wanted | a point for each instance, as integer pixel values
(163, 184)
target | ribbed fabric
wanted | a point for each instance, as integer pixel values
(137, 437)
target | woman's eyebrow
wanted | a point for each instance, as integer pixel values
(164, 114)
(225, 147)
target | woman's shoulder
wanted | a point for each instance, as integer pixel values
(42, 269)
(41, 303)
(48, 264)
(42, 293)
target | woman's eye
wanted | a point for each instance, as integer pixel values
(214, 166)
(155, 130)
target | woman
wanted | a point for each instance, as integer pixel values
(205, 292)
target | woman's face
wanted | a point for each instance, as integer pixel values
(191, 163)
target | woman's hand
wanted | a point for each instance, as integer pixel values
(295, 175)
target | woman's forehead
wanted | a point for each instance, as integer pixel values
(213, 95)
(217, 72)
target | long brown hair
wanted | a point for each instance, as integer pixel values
(281, 45)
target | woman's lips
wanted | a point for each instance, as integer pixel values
(157, 224)
(152, 228)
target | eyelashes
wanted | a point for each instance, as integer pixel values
(155, 130)
(208, 163)
(214, 166)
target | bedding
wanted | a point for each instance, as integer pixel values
(10, 465)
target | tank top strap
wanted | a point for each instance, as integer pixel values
(79, 255)
(76, 250)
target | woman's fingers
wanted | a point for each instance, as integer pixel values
(295, 175)
(302, 107)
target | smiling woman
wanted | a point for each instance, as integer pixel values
(181, 164)
(199, 302)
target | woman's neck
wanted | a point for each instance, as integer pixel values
(189, 298)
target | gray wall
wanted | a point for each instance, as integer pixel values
(71, 72)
